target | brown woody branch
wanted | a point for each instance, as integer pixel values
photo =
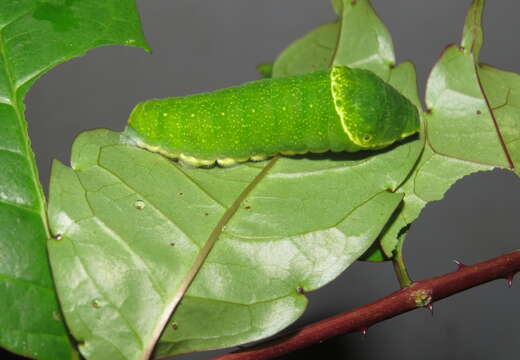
(419, 294)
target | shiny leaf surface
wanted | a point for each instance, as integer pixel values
(34, 37)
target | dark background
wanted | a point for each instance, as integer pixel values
(202, 45)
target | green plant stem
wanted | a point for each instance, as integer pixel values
(400, 269)
(392, 305)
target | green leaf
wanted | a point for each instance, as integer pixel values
(472, 125)
(358, 39)
(252, 238)
(444, 160)
(502, 89)
(460, 124)
(472, 34)
(34, 37)
(364, 41)
(281, 226)
(312, 52)
(337, 5)
(320, 49)
(403, 77)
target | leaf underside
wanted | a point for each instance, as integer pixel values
(133, 224)
(471, 125)
(460, 96)
(146, 221)
(34, 37)
(136, 228)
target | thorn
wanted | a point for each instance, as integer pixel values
(509, 280)
(430, 308)
(174, 326)
(364, 332)
(300, 290)
(460, 265)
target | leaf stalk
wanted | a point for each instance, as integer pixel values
(400, 269)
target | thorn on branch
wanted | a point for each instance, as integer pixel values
(460, 265)
(419, 294)
(430, 308)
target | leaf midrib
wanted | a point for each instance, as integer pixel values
(203, 254)
(27, 153)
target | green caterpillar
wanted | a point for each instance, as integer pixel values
(339, 109)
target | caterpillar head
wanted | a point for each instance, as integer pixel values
(379, 116)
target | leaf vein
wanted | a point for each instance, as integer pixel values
(100, 289)
(165, 216)
(27, 282)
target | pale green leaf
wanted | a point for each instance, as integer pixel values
(312, 52)
(358, 39)
(472, 125)
(364, 41)
(460, 124)
(297, 226)
(472, 34)
(337, 5)
(502, 89)
(134, 226)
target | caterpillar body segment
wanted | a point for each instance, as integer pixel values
(339, 109)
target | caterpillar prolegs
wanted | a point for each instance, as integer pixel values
(339, 109)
